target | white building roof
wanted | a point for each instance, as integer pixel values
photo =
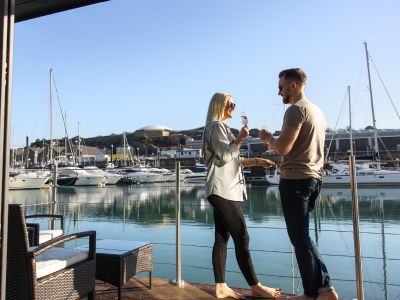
(155, 127)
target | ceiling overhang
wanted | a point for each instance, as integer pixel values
(29, 9)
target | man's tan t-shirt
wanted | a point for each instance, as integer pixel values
(306, 158)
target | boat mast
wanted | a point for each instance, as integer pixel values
(79, 145)
(124, 137)
(51, 118)
(351, 128)
(43, 153)
(66, 136)
(376, 149)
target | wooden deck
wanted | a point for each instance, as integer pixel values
(137, 288)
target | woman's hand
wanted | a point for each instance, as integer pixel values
(244, 132)
(262, 162)
(266, 163)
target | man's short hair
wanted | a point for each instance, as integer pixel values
(295, 74)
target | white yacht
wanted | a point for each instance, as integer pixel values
(110, 178)
(366, 176)
(166, 175)
(28, 180)
(184, 173)
(339, 176)
(138, 174)
(196, 177)
(85, 176)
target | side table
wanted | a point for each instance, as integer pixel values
(119, 260)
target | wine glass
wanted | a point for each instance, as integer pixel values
(243, 117)
(265, 127)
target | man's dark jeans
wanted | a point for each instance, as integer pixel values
(298, 198)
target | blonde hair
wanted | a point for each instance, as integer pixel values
(217, 106)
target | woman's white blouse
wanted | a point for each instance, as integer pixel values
(224, 165)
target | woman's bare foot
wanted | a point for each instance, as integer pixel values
(222, 290)
(260, 290)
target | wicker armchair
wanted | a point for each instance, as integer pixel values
(28, 276)
(37, 236)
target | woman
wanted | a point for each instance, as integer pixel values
(225, 190)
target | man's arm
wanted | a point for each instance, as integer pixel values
(284, 143)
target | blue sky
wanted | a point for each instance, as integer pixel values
(124, 64)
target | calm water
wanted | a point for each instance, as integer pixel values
(147, 213)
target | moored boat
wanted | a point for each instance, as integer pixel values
(138, 175)
(30, 180)
(67, 180)
(112, 178)
(366, 177)
(85, 177)
(196, 177)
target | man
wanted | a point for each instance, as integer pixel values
(301, 145)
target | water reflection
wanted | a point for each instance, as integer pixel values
(147, 212)
(155, 203)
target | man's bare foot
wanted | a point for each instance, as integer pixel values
(222, 290)
(328, 295)
(260, 290)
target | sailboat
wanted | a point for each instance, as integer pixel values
(366, 175)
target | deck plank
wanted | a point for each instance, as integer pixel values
(137, 288)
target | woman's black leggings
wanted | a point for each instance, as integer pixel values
(229, 220)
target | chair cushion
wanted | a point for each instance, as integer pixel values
(56, 259)
(47, 235)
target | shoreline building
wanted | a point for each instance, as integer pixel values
(153, 131)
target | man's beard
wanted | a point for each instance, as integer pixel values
(285, 100)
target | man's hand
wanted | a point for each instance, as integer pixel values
(266, 136)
